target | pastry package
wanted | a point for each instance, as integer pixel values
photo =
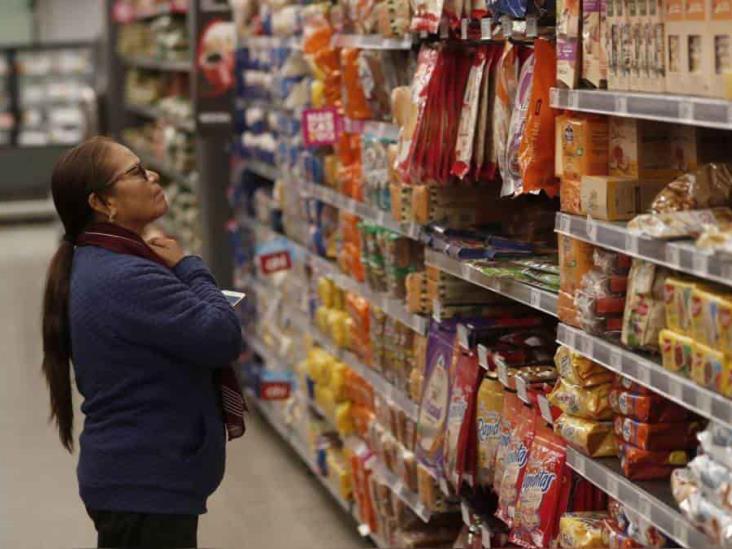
(585, 402)
(677, 294)
(682, 224)
(715, 522)
(575, 260)
(639, 464)
(579, 370)
(714, 480)
(592, 438)
(644, 316)
(711, 369)
(581, 530)
(657, 436)
(646, 408)
(544, 493)
(677, 352)
(707, 187)
(716, 441)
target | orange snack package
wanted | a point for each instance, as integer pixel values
(355, 104)
(536, 156)
(575, 260)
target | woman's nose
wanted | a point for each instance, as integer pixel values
(153, 176)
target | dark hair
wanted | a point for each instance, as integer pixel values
(77, 173)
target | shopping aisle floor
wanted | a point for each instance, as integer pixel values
(267, 499)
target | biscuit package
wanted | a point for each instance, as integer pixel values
(646, 408)
(657, 436)
(592, 438)
(579, 370)
(587, 403)
(581, 530)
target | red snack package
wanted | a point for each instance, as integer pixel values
(544, 491)
(535, 159)
(515, 464)
(614, 537)
(657, 436)
(461, 414)
(639, 464)
(648, 408)
(618, 284)
(609, 305)
(512, 407)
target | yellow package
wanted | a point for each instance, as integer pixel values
(710, 369)
(339, 473)
(581, 530)
(579, 370)
(585, 140)
(677, 300)
(338, 381)
(585, 402)
(724, 325)
(343, 418)
(592, 438)
(326, 291)
(705, 305)
(487, 421)
(321, 319)
(677, 352)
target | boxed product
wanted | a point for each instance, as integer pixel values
(614, 198)
(569, 51)
(640, 149)
(575, 259)
(594, 56)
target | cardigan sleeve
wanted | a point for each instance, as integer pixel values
(182, 313)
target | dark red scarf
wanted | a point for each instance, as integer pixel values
(118, 239)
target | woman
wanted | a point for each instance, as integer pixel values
(150, 337)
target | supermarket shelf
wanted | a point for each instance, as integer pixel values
(364, 211)
(371, 42)
(262, 169)
(140, 62)
(678, 109)
(399, 489)
(679, 256)
(650, 499)
(537, 298)
(374, 128)
(41, 209)
(264, 42)
(649, 373)
(156, 114)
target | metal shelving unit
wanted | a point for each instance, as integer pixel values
(371, 42)
(649, 373)
(375, 128)
(268, 42)
(262, 169)
(680, 256)
(151, 63)
(677, 109)
(539, 299)
(154, 113)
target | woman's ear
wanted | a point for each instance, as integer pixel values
(98, 204)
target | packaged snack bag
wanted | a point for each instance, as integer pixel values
(487, 422)
(506, 85)
(724, 327)
(460, 415)
(587, 403)
(512, 407)
(657, 436)
(639, 464)
(592, 438)
(677, 352)
(716, 441)
(614, 537)
(714, 480)
(579, 370)
(433, 409)
(677, 299)
(544, 491)
(469, 117)
(644, 316)
(646, 408)
(356, 106)
(535, 158)
(515, 464)
(575, 260)
(711, 369)
(581, 530)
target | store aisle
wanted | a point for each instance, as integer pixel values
(267, 498)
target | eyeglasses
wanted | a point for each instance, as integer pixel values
(138, 170)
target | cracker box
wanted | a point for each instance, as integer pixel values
(640, 149)
(617, 198)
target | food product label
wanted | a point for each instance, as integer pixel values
(694, 10)
(721, 9)
(275, 262)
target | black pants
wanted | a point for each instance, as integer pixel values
(144, 530)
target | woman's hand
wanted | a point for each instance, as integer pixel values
(168, 249)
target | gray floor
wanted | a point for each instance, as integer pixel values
(267, 498)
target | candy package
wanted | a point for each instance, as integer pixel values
(579, 370)
(581, 530)
(646, 408)
(657, 436)
(639, 464)
(587, 403)
(544, 491)
(489, 407)
(592, 438)
(515, 461)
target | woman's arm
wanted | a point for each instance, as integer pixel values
(182, 313)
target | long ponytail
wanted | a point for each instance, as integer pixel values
(77, 173)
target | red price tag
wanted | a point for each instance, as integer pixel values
(321, 127)
(275, 262)
(274, 390)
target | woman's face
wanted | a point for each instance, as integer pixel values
(135, 196)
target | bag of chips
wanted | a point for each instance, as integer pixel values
(489, 407)
(512, 407)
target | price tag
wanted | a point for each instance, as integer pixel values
(535, 298)
(364, 530)
(485, 535)
(616, 359)
(522, 390)
(673, 255)
(686, 110)
(572, 99)
(591, 229)
(465, 510)
(398, 488)
(565, 221)
(485, 28)
(587, 346)
(631, 243)
(611, 486)
(545, 409)
(464, 29)
(532, 26)
(444, 488)
(506, 26)
(483, 356)
(436, 310)
(701, 263)
(463, 339)
(621, 104)
(502, 370)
